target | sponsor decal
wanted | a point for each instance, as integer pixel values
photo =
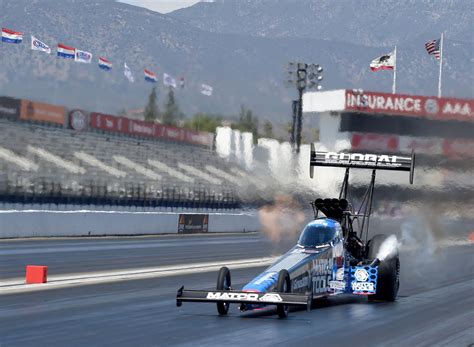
(300, 283)
(361, 275)
(232, 296)
(410, 105)
(267, 297)
(319, 284)
(337, 285)
(363, 286)
(361, 157)
(431, 106)
(193, 223)
(271, 297)
(77, 120)
(364, 279)
(322, 266)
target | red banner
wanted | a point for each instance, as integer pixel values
(451, 148)
(141, 128)
(421, 145)
(111, 123)
(172, 133)
(199, 138)
(375, 142)
(108, 122)
(410, 105)
(458, 148)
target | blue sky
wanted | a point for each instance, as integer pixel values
(163, 6)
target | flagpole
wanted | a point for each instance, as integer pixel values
(440, 64)
(394, 86)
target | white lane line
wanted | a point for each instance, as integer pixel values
(54, 282)
(41, 249)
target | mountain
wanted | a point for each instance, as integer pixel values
(239, 47)
(369, 23)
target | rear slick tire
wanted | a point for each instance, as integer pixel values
(223, 283)
(283, 286)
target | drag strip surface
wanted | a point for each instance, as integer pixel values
(65, 256)
(435, 307)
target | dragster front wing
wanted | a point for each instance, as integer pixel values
(240, 297)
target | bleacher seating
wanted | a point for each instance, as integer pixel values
(41, 164)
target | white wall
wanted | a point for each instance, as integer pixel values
(37, 223)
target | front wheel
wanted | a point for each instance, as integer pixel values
(283, 286)
(223, 283)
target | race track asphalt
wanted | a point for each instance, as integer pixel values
(435, 305)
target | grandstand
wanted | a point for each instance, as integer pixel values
(41, 164)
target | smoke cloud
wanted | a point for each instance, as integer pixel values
(283, 219)
(388, 248)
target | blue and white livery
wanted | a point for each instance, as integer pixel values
(331, 257)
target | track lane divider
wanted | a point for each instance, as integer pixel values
(18, 285)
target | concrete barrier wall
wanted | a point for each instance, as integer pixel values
(79, 223)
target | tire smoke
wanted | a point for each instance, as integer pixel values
(388, 248)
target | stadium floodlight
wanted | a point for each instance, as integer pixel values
(304, 76)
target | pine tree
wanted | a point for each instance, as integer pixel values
(172, 112)
(152, 112)
(247, 122)
(268, 129)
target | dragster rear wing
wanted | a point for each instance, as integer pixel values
(362, 161)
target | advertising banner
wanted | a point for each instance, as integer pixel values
(200, 138)
(375, 142)
(39, 111)
(141, 128)
(9, 107)
(193, 223)
(458, 148)
(112, 123)
(432, 146)
(410, 105)
(108, 122)
(172, 133)
(78, 120)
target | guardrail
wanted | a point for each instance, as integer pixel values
(44, 223)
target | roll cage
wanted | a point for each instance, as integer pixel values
(355, 222)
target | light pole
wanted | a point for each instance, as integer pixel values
(303, 76)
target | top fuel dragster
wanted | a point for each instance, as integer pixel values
(333, 254)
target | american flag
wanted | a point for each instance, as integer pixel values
(432, 47)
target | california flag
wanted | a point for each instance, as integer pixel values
(385, 62)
